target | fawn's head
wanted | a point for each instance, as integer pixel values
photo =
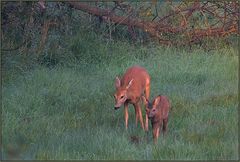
(121, 92)
(151, 108)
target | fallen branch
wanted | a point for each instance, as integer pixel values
(163, 26)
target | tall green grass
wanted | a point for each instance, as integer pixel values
(66, 111)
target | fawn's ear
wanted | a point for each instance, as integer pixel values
(129, 84)
(157, 100)
(117, 82)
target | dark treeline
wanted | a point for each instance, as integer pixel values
(40, 27)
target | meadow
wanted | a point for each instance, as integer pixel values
(65, 110)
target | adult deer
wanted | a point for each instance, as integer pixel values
(129, 89)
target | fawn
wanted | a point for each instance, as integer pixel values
(157, 112)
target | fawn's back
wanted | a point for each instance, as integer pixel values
(159, 108)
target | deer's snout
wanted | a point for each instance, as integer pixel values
(116, 108)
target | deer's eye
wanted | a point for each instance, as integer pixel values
(121, 97)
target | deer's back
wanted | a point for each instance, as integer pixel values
(140, 78)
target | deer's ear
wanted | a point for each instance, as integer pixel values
(145, 101)
(129, 84)
(117, 82)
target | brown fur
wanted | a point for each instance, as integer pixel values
(158, 114)
(129, 89)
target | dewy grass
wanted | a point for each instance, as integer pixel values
(66, 112)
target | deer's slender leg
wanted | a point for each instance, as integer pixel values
(147, 93)
(136, 115)
(126, 114)
(138, 108)
(165, 126)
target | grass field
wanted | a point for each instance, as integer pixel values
(66, 111)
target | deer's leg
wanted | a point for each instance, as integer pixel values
(126, 114)
(147, 93)
(165, 124)
(146, 122)
(138, 108)
(136, 115)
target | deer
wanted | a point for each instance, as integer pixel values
(157, 112)
(129, 90)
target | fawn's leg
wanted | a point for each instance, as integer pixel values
(156, 131)
(155, 134)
